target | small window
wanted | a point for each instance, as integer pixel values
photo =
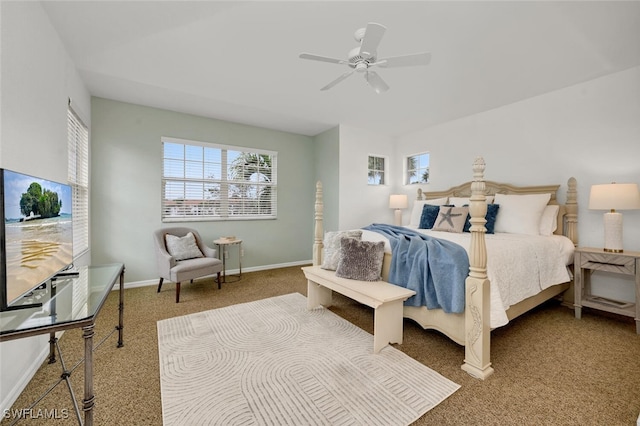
(417, 169)
(376, 170)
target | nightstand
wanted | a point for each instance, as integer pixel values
(588, 260)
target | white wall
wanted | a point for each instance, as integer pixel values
(590, 131)
(37, 79)
(361, 203)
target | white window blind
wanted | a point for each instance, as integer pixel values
(203, 181)
(78, 147)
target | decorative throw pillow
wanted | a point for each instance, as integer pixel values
(451, 219)
(331, 250)
(490, 217)
(416, 213)
(429, 215)
(360, 260)
(520, 214)
(549, 219)
(182, 248)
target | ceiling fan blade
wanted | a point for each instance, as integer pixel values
(376, 82)
(405, 60)
(372, 36)
(337, 80)
(322, 58)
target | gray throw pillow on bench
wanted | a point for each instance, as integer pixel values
(360, 260)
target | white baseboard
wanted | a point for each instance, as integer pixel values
(134, 284)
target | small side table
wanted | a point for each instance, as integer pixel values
(588, 260)
(222, 250)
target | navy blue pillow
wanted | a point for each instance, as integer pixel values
(492, 214)
(429, 216)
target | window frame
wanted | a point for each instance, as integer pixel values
(221, 208)
(419, 170)
(384, 171)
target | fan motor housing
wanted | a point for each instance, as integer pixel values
(356, 59)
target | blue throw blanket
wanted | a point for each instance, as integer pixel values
(435, 269)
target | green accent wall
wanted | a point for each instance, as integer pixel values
(327, 156)
(126, 160)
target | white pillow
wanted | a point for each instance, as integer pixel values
(459, 201)
(416, 213)
(520, 214)
(549, 219)
(462, 201)
(332, 245)
(182, 248)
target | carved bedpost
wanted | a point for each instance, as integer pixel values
(571, 207)
(318, 233)
(477, 315)
(419, 196)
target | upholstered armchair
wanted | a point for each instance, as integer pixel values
(183, 257)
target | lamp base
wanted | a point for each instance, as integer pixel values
(613, 250)
(398, 217)
(613, 232)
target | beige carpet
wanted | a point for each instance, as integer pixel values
(550, 368)
(273, 362)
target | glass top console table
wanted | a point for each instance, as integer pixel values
(68, 301)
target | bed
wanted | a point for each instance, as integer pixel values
(472, 327)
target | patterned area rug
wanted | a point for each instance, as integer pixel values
(273, 362)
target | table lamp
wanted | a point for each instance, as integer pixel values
(612, 197)
(398, 202)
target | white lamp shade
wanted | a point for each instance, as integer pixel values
(398, 201)
(614, 196)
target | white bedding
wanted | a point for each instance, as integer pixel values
(518, 266)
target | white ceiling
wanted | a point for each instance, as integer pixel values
(238, 61)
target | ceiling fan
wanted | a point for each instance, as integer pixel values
(362, 58)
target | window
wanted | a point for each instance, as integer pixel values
(417, 169)
(376, 170)
(202, 181)
(78, 176)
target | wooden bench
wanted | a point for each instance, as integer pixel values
(385, 298)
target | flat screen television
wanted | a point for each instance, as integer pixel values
(36, 233)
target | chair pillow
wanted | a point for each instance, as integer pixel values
(331, 250)
(182, 248)
(451, 219)
(360, 260)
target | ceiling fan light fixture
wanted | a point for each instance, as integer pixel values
(362, 58)
(361, 67)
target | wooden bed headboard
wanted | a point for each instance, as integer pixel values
(567, 214)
